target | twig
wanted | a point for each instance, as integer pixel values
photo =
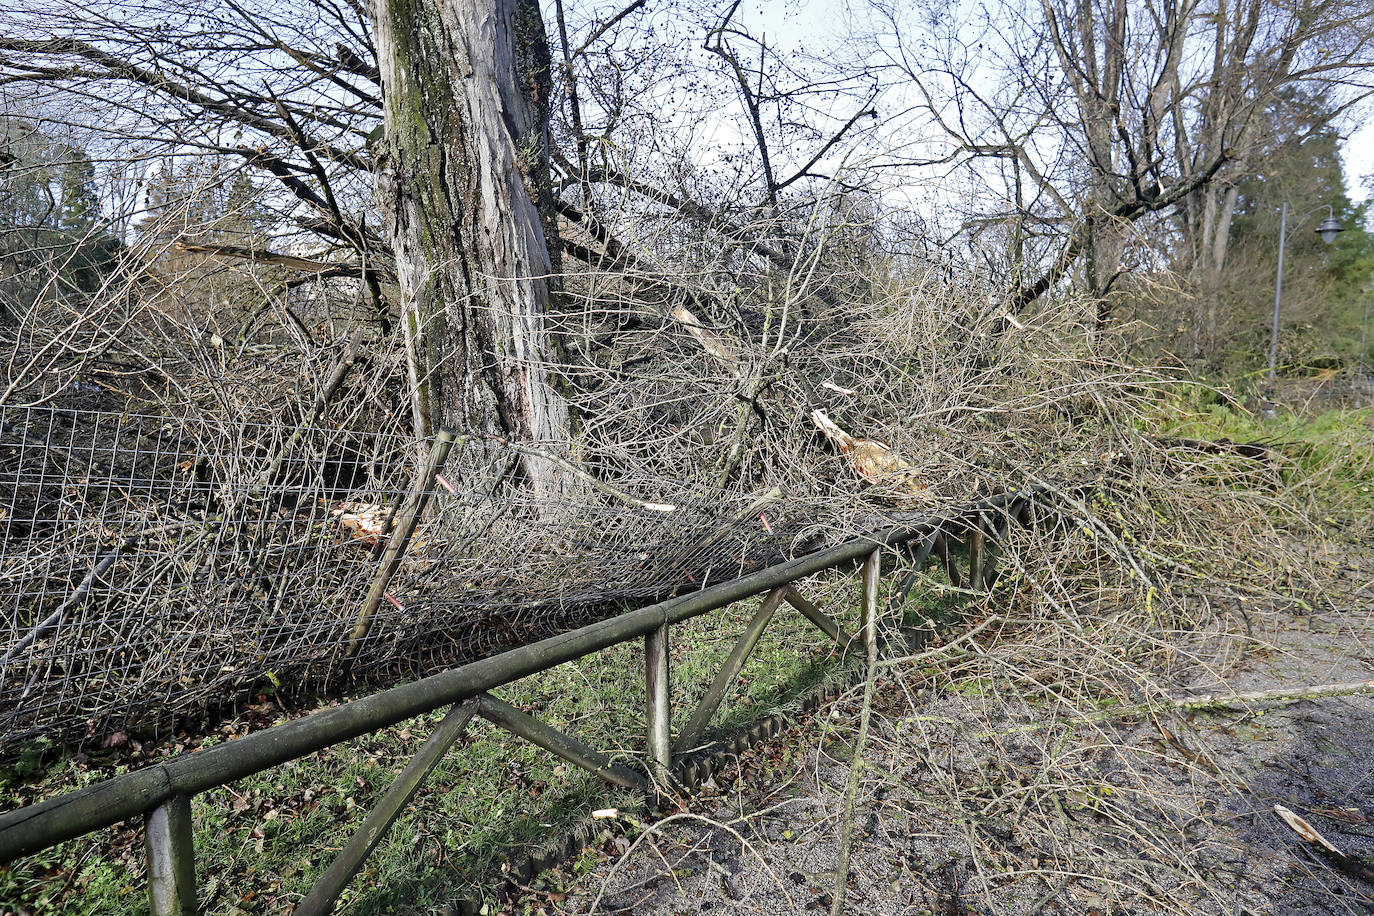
(684, 816)
(1204, 702)
(1210, 701)
(580, 474)
(851, 792)
(942, 650)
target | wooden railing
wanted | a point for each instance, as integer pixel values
(162, 793)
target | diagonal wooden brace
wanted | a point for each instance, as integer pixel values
(814, 614)
(523, 725)
(715, 694)
(326, 891)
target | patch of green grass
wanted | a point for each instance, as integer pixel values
(1333, 450)
(263, 841)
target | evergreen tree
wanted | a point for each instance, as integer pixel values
(27, 207)
(88, 252)
(1301, 165)
(79, 201)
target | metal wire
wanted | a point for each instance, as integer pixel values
(155, 571)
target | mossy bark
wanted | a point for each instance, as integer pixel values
(461, 173)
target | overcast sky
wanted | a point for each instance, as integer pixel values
(810, 25)
(1359, 156)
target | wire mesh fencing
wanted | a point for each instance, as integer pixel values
(155, 571)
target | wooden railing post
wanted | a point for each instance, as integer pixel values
(868, 606)
(170, 846)
(657, 690)
(977, 550)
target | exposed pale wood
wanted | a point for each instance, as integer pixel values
(1350, 865)
(711, 340)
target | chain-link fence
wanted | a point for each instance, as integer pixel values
(155, 571)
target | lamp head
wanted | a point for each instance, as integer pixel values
(1329, 229)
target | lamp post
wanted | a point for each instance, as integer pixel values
(1360, 381)
(1327, 230)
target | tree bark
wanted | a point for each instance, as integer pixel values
(463, 162)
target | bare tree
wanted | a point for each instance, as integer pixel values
(1084, 117)
(466, 90)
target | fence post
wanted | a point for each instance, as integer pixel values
(868, 606)
(170, 847)
(400, 538)
(977, 550)
(656, 689)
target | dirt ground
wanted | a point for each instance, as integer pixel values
(971, 804)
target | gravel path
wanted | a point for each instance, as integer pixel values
(973, 804)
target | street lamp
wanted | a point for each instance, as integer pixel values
(1360, 380)
(1328, 230)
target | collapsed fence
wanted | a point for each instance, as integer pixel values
(156, 571)
(162, 793)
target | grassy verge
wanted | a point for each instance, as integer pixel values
(261, 842)
(1332, 451)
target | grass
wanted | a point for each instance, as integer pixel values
(1332, 450)
(261, 842)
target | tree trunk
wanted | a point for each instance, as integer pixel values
(463, 162)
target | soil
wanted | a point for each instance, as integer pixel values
(973, 804)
